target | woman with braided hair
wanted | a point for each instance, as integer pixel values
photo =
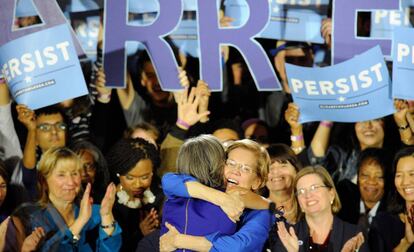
(132, 163)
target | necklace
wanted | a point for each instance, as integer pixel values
(124, 199)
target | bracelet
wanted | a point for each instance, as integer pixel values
(183, 123)
(112, 225)
(296, 138)
(326, 124)
(403, 127)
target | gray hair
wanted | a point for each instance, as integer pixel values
(203, 157)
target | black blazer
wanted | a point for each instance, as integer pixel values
(386, 232)
(350, 200)
(341, 233)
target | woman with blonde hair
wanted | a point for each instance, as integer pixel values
(69, 222)
(320, 229)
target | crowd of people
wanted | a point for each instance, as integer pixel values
(142, 169)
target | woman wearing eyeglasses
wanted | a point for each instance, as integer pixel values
(320, 229)
(246, 167)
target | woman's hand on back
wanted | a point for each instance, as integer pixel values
(232, 204)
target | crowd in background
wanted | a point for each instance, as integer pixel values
(142, 169)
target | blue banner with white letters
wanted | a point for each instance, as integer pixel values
(383, 22)
(352, 91)
(403, 63)
(36, 68)
(289, 20)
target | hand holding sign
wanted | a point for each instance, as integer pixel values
(326, 31)
(26, 116)
(203, 91)
(356, 90)
(402, 118)
(403, 63)
(292, 116)
(36, 67)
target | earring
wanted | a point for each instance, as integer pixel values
(118, 175)
(331, 202)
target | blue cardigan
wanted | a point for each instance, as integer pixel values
(60, 238)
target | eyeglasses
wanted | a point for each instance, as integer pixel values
(240, 167)
(313, 188)
(59, 126)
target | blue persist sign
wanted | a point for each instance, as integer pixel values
(403, 63)
(383, 22)
(42, 68)
(293, 20)
(352, 91)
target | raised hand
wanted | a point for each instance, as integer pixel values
(326, 31)
(104, 93)
(149, 222)
(354, 243)
(401, 108)
(108, 200)
(4, 92)
(203, 91)
(31, 241)
(187, 109)
(289, 239)
(184, 82)
(85, 210)
(167, 240)
(26, 116)
(225, 21)
(292, 115)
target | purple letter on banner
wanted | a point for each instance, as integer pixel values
(211, 37)
(346, 44)
(49, 12)
(117, 32)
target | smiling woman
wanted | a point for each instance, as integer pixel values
(319, 230)
(245, 171)
(283, 169)
(362, 202)
(68, 222)
(394, 232)
(132, 163)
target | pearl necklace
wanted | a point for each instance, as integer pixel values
(124, 199)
